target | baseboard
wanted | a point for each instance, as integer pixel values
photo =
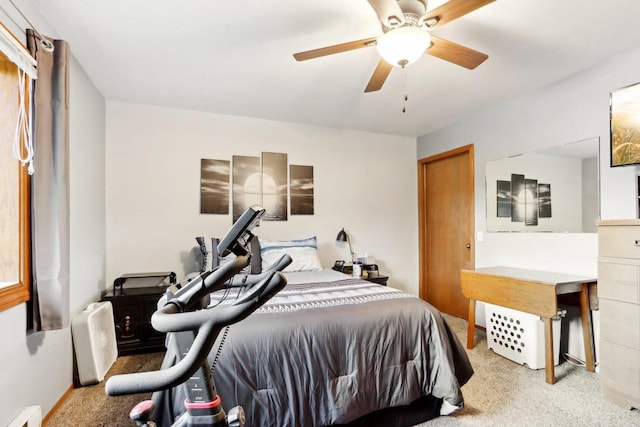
(57, 406)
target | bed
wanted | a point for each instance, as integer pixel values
(333, 350)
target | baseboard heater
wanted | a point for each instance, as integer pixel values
(31, 416)
(94, 341)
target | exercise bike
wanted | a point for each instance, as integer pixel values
(192, 326)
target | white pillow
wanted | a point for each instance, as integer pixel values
(209, 251)
(304, 253)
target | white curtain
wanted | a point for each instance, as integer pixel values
(50, 188)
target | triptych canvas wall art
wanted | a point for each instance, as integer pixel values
(267, 181)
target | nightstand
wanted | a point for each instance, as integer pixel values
(132, 310)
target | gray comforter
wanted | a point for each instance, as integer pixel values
(327, 353)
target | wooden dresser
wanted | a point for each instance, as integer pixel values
(619, 294)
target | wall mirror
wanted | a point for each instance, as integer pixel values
(552, 190)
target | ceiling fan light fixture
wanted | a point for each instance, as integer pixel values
(403, 45)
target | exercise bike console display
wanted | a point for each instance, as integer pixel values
(240, 235)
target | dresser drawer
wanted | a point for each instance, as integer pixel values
(619, 241)
(619, 281)
(620, 369)
(620, 323)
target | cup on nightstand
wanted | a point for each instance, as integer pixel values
(357, 270)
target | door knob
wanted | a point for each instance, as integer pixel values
(468, 245)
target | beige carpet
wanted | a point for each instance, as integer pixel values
(90, 406)
(501, 393)
(504, 393)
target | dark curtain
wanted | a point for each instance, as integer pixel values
(50, 187)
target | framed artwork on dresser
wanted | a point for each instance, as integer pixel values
(625, 126)
(638, 195)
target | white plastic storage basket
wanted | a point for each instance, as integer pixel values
(520, 336)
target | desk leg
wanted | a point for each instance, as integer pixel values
(587, 328)
(549, 368)
(471, 328)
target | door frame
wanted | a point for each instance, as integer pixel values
(422, 229)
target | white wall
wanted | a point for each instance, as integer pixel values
(571, 110)
(36, 369)
(87, 190)
(364, 182)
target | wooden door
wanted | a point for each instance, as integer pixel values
(446, 212)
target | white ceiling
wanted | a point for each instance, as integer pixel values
(235, 57)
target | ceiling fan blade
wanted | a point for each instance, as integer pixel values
(451, 10)
(388, 11)
(338, 48)
(379, 76)
(455, 53)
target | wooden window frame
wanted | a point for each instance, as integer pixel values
(20, 292)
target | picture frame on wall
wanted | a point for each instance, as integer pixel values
(544, 200)
(246, 184)
(625, 126)
(536, 196)
(274, 186)
(268, 181)
(301, 189)
(214, 186)
(503, 199)
(517, 198)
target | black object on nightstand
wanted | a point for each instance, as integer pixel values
(343, 267)
(379, 279)
(133, 306)
(371, 272)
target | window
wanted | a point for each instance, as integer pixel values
(15, 271)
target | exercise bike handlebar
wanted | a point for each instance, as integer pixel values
(210, 281)
(206, 323)
(252, 279)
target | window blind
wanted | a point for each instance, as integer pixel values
(16, 52)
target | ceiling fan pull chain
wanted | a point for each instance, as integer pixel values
(404, 88)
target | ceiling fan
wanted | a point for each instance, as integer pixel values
(406, 27)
